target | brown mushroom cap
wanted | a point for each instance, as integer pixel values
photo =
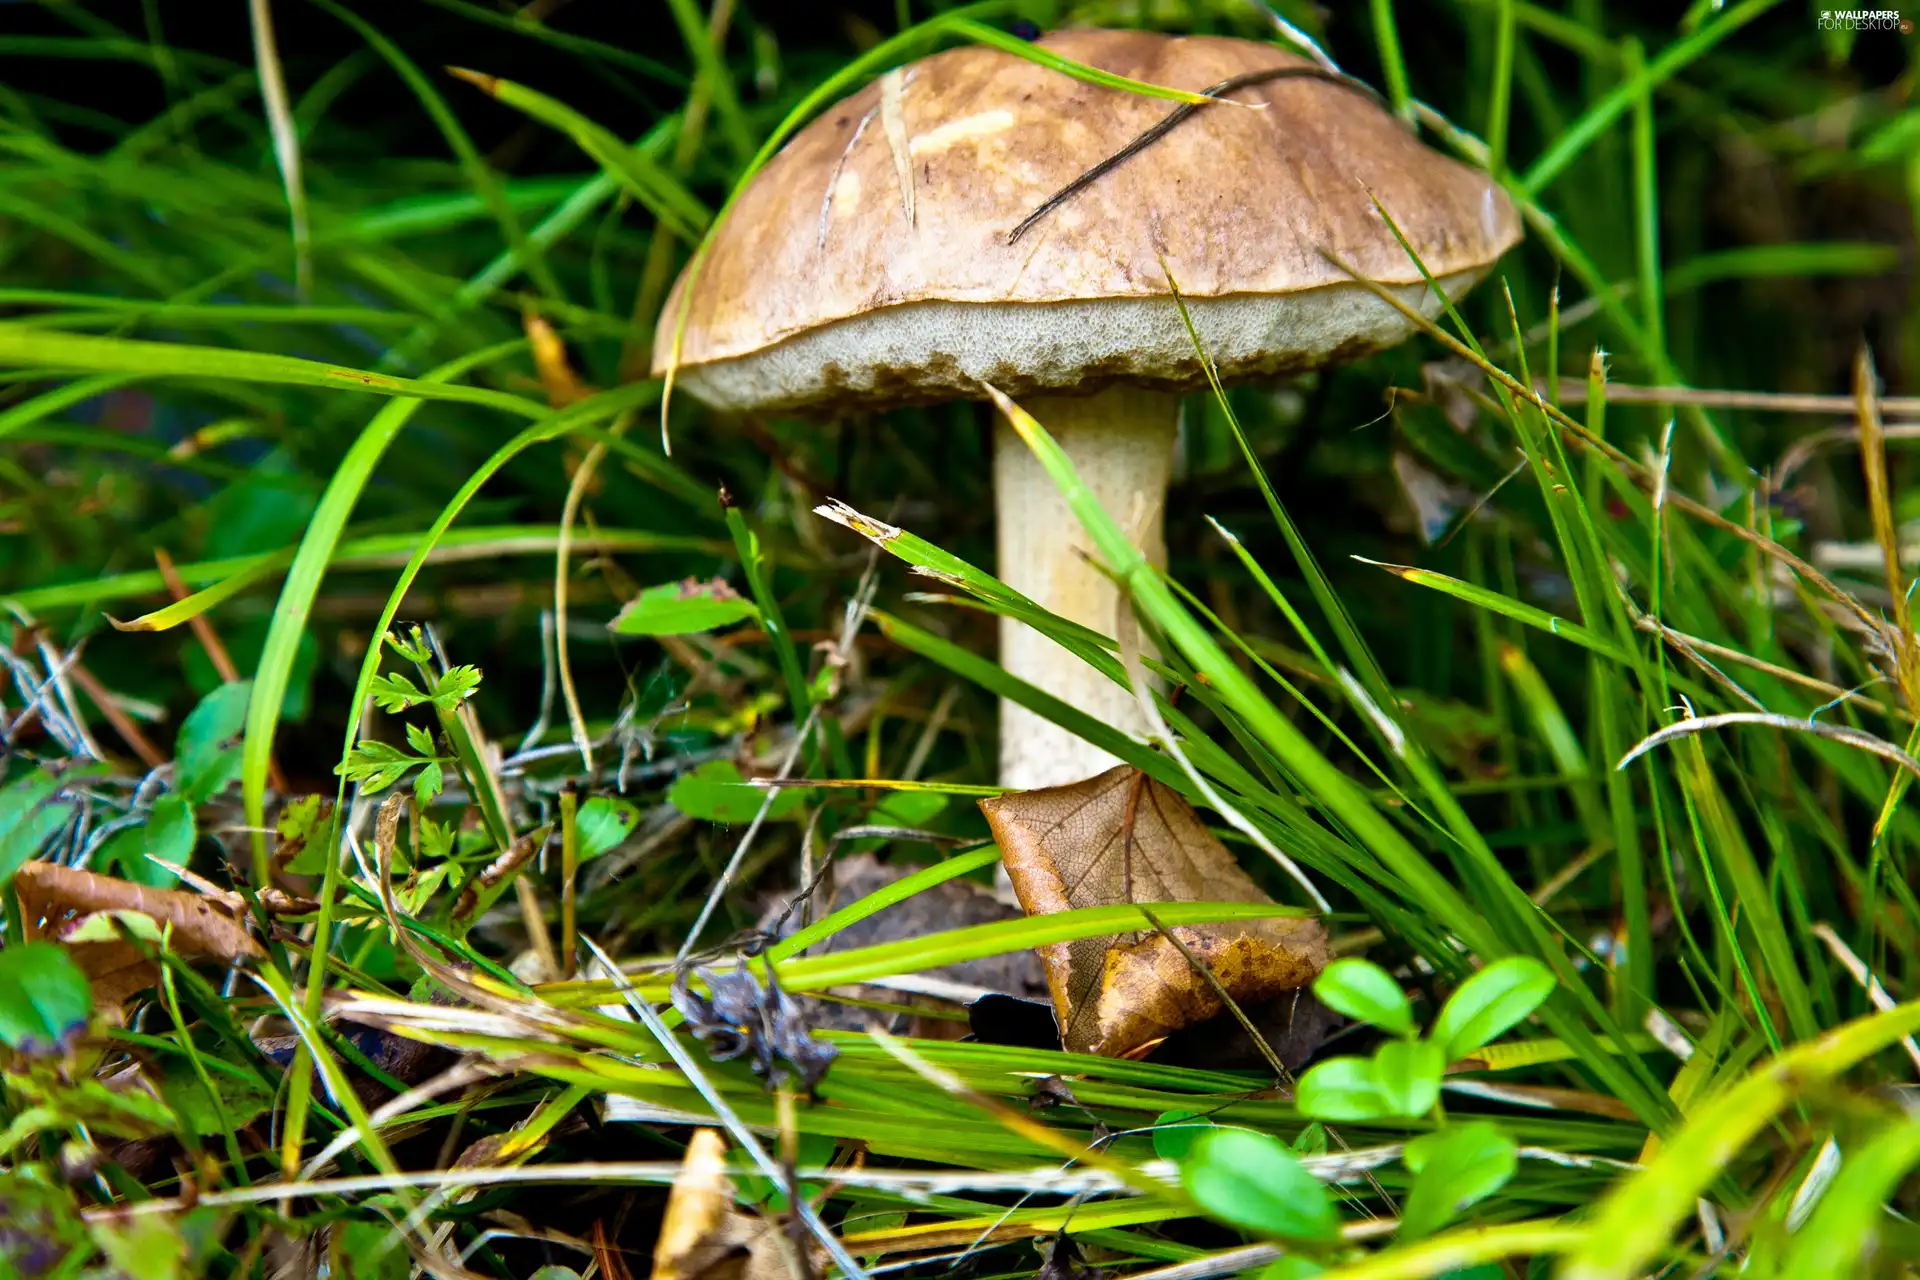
(819, 289)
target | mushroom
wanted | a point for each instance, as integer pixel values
(875, 262)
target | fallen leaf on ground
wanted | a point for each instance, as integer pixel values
(90, 913)
(702, 1235)
(1121, 837)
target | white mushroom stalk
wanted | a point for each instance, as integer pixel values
(1121, 444)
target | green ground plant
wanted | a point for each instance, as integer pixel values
(348, 585)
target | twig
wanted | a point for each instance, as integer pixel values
(563, 548)
(1170, 121)
(58, 664)
(538, 729)
(1876, 994)
(569, 876)
(1833, 732)
(202, 629)
(116, 715)
(746, 842)
(1763, 401)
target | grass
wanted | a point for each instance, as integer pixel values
(1509, 672)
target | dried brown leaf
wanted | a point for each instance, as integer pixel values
(698, 1208)
(562, 385)
(703, 1236)
(1121, 837)
(56, 901)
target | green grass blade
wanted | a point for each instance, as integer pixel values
(1631, 1225)
(1569, 146)
(980, 33)
(899, 891)
(80, 353)
(636, 172)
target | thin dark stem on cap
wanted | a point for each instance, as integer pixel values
(1167, 125)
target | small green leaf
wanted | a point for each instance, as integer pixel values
(715, 792)
(908, 809)
(1175, 1132)
(29, 815)
(411, 648)
(1311, 1141)
(376, 765)
(427, 783)
(601, 824)
(44, 998)
(678, 608)
(1454, 1168)
(1406, 1075)
(301, 820)
(416, 894)
(455, 686)
(420, 740)
(1339, 1089)
(171, 835)
(204, 765)
(1253, 1182)
(436, 839)
(242, 1096)
(1491, 1001)
(1366, 993)
(395, 693)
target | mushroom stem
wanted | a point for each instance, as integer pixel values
(1121, 443)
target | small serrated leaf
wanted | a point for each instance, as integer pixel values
(427, 784)
(301, 820)
(395, 693)
(420, 740)
(455, 686)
